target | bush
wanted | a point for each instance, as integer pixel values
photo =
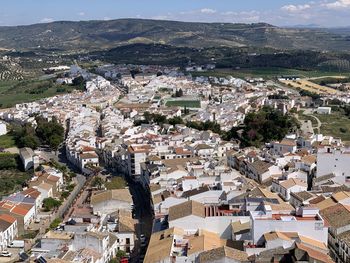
(51, 203)
(55, 223)
(343, 130)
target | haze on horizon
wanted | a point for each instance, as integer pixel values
(322, 13)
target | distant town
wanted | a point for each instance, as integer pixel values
(150, 163)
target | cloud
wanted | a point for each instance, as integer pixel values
(338, 4)
(47, 20)
(208, 11)
(160, 17)
(295, 8)
(81, 14)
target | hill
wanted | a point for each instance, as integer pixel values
(102, 35)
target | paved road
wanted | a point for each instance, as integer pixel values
(309, 112)
(144, 214)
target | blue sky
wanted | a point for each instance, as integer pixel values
(328, 13)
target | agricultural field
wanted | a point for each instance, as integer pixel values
(13, 92)
(307, 85)
(184, 103)
(267, 73)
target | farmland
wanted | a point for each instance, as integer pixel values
(267, 73)
(13, 92)
(307, 85)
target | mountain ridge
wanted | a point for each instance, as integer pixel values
(95, 35)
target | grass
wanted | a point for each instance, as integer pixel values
(308, 118)
(184, 103)
(267, 73)
(335, 124)
(7, 141)
(116, 183)
(12, 180)
(13, 92)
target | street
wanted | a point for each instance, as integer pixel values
(144, 214)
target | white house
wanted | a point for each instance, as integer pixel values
(3, 129)
(8, 230)
(324, 110)
(333, 161)
(292, 185)
(29, 159)
(306, 221)
(285, 146)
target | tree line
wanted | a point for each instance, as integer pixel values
(49, 133)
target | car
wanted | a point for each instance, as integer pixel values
(142, 238)
(5, 254)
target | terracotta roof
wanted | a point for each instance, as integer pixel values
(88, 155)
(309, 159)
(315, 254)
(261, 166)
(288, 142)
(239, 227)
(220, 253)
(186, 209)
(8, 218)
(117, 194)
(32, 192)
(302, 196)
(45, 186)
(337, 215)
(205, 240)
(20, 210)
(339, 196)
(292, 182)
(160, 245)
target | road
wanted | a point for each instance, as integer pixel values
(309, 112)
(144, 214)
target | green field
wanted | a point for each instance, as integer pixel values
(116, 183)
(267, 73)
(335, 124)
(13, 92)
(184, 103)
(7, 141)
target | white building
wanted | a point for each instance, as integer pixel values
(324, 110)
(3, 129)
(285, 146)
(8, 230)
(284, 188)
(29, 159)
(307, 221)
(333, 161)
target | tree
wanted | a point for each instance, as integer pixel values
(78, 81)
(50, 132)
(97, 182)
(50, 203)
(55, 141)
(264, 126)
(175, 120)
(30, 141)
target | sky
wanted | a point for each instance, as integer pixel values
(325, 13)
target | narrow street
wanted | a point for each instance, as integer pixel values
(144, 214)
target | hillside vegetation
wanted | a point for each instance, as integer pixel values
(99, 35)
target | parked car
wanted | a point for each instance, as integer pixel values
(5, 254)
(17, 244)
